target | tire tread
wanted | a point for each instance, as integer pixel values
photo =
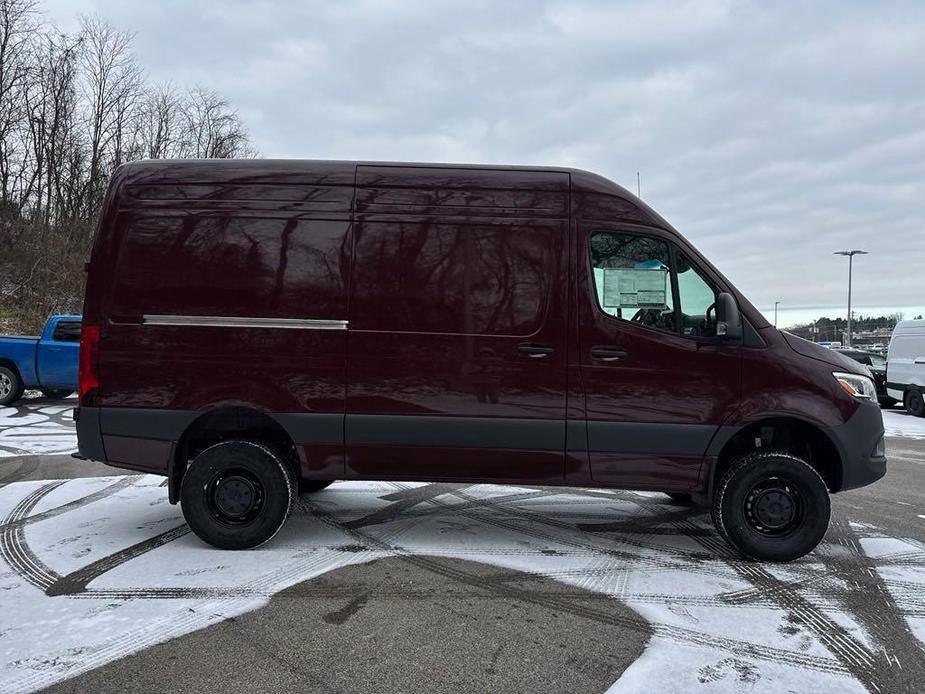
(280, 460)
(748, 460)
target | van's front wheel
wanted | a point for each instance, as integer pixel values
(772, 506)
(237, 494)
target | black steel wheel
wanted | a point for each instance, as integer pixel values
(237, 494)
(772, 506)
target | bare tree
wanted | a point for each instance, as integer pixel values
(161, 123)
(111, 86)
(72, 109)
(212, 129)
(18, 28)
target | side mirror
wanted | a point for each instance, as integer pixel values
(728, 318)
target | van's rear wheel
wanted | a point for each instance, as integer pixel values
(11, 386)
(772, 507)
(237, 494)
(913, 402)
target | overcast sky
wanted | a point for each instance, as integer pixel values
(770, 134)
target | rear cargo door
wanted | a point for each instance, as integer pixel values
(456, 349)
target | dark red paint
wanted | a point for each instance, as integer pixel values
(445, 274)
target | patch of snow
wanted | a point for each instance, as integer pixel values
(668, 571)
(902, 424)
(35, 428)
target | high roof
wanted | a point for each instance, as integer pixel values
(593, 196)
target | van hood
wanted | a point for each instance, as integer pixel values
(825, 355)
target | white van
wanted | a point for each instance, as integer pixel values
(905, 365)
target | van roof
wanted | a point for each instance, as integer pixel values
(915, 324)
(334, 172)
(145, 168)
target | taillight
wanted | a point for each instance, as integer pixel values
(88, 377)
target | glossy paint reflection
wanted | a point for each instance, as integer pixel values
(452, 276)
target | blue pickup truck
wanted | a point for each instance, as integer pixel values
(47, 363)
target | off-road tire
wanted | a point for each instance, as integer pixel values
(226, 471)
(913, 402)
(735, 519)
(12, 388)
(312, 486)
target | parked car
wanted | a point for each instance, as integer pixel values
(905, 377)
(876, 364)
(47, 363)
(505, 325)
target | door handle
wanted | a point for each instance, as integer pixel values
(534, 350)
(608, 353)
(920, 360)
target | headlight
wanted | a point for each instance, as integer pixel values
(856, 386)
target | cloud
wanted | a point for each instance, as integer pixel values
(769, 134)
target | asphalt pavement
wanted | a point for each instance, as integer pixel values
(401, 618)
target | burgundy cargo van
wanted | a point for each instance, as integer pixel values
(255, 328)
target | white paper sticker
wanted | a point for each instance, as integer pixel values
(635, 287)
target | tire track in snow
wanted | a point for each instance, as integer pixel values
(637, 623)
(899, 658)
(848, 651)
(13, 548)
(109, 490)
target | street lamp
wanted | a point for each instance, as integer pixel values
(775, 313)
(850, 255)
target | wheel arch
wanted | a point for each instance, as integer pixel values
(793, 434)
(11, 365)
(222, 424)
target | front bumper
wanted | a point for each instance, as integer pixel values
(860, 443)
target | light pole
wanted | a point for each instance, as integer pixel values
(775, 313)
(850, 255)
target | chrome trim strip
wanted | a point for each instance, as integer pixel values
(241, 322)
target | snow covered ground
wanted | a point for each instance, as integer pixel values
(93, 569)
(96, 568)
(897, 422)
(38, 426)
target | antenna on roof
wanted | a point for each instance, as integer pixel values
(638, 187)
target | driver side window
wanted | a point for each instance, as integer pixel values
(632, 278)
(697, 299)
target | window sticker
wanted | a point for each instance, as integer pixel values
(635, 287)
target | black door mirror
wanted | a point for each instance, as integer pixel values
(728, 318)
